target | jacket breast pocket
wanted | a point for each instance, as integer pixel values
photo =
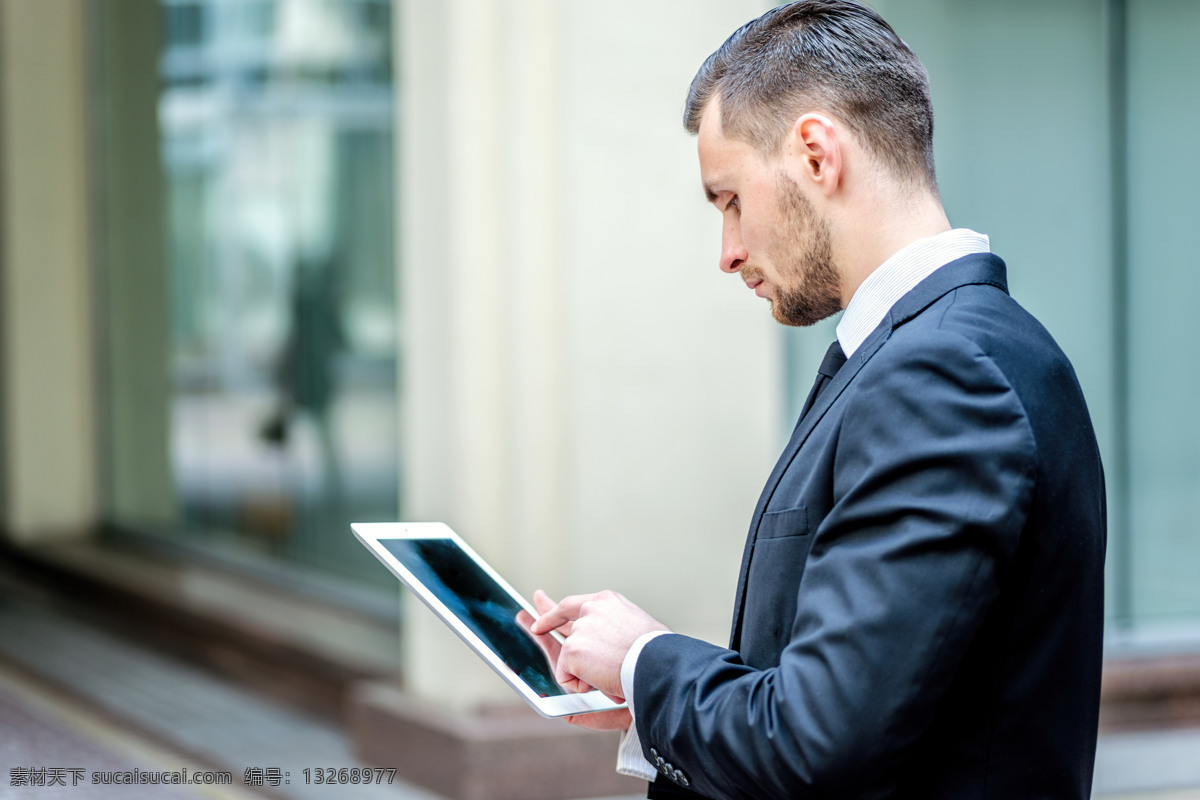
(784, 523)
(772, 585)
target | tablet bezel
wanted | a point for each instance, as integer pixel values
(371, 534)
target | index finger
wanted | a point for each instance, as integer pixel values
(566, 611)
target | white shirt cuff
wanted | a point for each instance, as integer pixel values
(630, 760)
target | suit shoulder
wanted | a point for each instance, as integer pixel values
(986, 324)
(985, 318)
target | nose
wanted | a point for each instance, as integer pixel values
(733, 252)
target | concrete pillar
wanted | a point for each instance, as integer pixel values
(586, 398)
(47, 420)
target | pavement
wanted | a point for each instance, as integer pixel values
(80, 708)
(85, 714)
(1148, 765)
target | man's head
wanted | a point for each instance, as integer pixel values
(815, 135)
(834, 56)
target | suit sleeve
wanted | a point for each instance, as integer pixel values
(932, 483)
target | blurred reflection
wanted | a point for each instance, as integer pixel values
(305, 375)
(276, 120)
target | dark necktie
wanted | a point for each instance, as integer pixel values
(833, 361)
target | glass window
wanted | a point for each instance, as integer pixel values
(275, 145)
(1096, 243)
(1164, 289)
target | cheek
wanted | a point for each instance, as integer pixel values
(754, 237)
(766, 247)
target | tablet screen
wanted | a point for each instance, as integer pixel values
(483, 605)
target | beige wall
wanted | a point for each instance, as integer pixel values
(588, 400)
(48, 426)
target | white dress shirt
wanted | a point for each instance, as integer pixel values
(898, 276)
(890, 281)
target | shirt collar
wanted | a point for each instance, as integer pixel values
(899, 275)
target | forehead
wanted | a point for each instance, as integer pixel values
(724, 162)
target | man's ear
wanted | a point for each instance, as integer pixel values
(816, 152)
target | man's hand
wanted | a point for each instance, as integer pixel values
(618, 720)
(600, 628)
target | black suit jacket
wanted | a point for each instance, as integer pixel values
(920, 607)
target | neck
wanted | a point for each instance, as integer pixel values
(874, 231)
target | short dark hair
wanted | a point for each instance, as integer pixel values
(833, 55)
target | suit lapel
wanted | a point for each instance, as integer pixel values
(975, 269)
(801, 432)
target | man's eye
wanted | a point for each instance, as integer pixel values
(735, 204)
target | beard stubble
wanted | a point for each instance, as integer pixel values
(809, 287)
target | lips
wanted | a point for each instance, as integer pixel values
(754, 280)
(756, 285)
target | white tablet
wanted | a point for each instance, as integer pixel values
(478, 605)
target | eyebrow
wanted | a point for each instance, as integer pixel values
(710, 193)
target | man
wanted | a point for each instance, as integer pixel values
(919, 609)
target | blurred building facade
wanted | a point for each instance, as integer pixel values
(273, 265)
(1092, 232)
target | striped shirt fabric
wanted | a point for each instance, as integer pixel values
(899, 275)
